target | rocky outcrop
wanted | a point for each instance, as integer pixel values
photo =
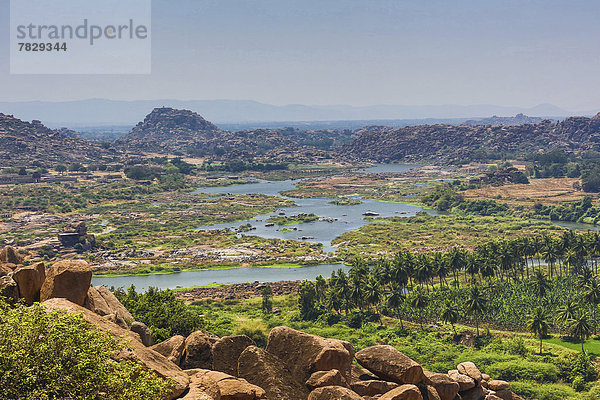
(388, 363)
(9, 255)
(446, 387)
(9, 288)
(404, 392)
(145, 333)
(171, 348)
(30, 280)
(132, 350)
(226, 352)
(197, 351)
(373, 387)
(115, 305)
(304, 353)
(333, 393)
(261, 368)
(326, 378)
(67, 279)
(206, 384)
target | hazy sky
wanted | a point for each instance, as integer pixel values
(359, 52)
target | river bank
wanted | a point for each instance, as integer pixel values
(238, 291)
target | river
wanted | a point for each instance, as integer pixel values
(336, 220)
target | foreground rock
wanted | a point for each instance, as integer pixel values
(226, 352)
(214, 385)
(470, 369)
(115, 305)
(404, 392)
(197, 352)
(9, 255)
(9, 288)
(171, 348)
(145, 333)
(373, 387)
(333, 393)
(465, 382)
(132, 350)
(261, 368)
(390, 364)
(30, 280)
(304, 353)
(326, 378)
(446, 387)
(67, 279)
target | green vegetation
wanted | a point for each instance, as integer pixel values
(583, 211)
(292, 219)
(161, 311)
(56, 355)
(345, 201)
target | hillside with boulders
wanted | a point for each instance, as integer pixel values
(464, 143)
(31, 143)
(293, 366)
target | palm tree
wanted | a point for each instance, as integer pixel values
(476, 305)
(538, 325)
(592, 296)
(541, 284)
(580, 329)
(567, 313)
(450, 315)
(373, 294)
(419, 300)
(395, 299)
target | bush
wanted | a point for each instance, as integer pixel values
(522, 370)
(56, 355)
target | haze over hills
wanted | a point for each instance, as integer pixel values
(95, 112)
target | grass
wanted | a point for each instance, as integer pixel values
(591, 346)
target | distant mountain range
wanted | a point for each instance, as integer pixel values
(97, 112)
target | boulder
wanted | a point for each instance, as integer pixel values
(496, 385)
(492, 397)
(171, 348)
(430, 393)
(261, 368)
(10, 255)
(486, 377)
(476, 393)
(373, 387)
(305, 353)
(326, 378)
(470, 369)
(67, 279)
(446, 387)
(30, 280)
(226, 352)
(206, 384)
(197, 352)
(9, 288)
(132, 350)
(5, 269)
(145, 333)
(96, 303)
(505, 394)
(464, 382)
(404, 392)
(333, 393)
(360, 374)
(115, 305)
(390, 364)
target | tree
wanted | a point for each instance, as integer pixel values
(567, 313)
(592, 296)
(419, 300)
(307, 300)
(580, 329)
(267, 299)
(541, 284)
(475, 305)
(161, 310)
(538, 325)
(57, 355)
(395, 299)
(60, 168)
(450, 315)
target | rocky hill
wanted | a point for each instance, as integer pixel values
(519, 119)
(23, 143)
(447, 143)
(183, 130)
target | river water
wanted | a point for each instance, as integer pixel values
(337, 220)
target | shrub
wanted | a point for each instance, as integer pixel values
(56, 355)
(522, 370)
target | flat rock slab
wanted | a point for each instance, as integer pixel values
(388, 363)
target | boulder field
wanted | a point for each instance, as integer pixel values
(293, 366)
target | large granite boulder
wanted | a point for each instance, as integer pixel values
(304, 353)
(171, 348)
(226, 352)
(390, 364)
(464, 382)
(373, 387)
(326, 378)
(115, 305)
(470, 369)
(67, 279)
(30, 280)
(333, 393)
(261, 368)
(404, 392)
(197, 352)
(133, 349)
(220, 386)
(446, 387)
